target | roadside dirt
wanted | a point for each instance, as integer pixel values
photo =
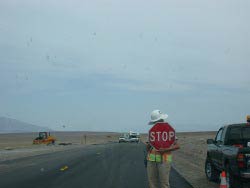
(190, 159)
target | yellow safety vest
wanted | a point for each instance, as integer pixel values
(155, 156)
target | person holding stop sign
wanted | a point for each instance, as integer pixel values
(162, 141)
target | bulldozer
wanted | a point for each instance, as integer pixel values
(44, 138)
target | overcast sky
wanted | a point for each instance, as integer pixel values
(104, 65)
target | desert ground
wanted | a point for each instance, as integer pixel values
(188, 161)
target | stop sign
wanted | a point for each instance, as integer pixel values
(161, 136)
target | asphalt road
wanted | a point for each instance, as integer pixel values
(108, 166)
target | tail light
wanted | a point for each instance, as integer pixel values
(241, 160)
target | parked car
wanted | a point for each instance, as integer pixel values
(230, 151)
(122, 139)
(129, 137)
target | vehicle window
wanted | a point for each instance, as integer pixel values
(235, 133)
(239, 135)
(224, 134)
(246, 133)
(126, 135)
(219, 136)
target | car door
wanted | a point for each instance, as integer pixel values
(218, 149)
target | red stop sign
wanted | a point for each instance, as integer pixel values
(161, 136)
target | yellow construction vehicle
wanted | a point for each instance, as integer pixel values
(248, 118)
(44, 138)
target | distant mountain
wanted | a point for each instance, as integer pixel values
(8, 125)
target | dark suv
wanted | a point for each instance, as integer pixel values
(230, 151)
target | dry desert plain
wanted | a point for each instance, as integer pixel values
(188, 161)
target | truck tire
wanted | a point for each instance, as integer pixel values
(233, 181)
(211, 172)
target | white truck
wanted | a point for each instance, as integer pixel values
(130, 137)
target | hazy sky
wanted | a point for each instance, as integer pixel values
(104, 65)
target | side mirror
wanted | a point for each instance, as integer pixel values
(210, 141)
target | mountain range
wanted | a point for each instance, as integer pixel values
(9, 125)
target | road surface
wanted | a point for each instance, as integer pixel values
(110, 165)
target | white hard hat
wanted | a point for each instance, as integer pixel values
(157, 115)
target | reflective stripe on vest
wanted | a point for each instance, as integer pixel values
(157, 157)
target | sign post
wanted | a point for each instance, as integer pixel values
(161, 136)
